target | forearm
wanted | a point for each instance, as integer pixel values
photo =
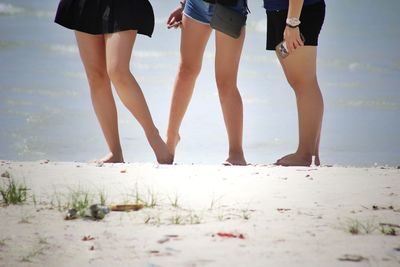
(292, 32)
(295, 7)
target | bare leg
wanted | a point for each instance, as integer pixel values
(118, 54)
(317, 161)
(193, 43)
(300, 71)
(92, 52)
(228, 52)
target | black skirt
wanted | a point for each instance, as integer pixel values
(106, 16)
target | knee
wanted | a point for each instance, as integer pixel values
(118, 74)
(301, 84)
(97, 78)
(226, 85)
(188, 71)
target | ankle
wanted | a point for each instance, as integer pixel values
(112, 157)
(236, 153)
(173, 136)
(304, 154)
(236, 158)
(116, 151)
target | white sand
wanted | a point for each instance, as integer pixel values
(288, 216)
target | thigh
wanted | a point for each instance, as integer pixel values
(119, 46)
(300, 66)
(194, 38)
(227, 56)
(92, 52)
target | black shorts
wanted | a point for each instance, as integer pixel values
(106, 16)
(312, 17)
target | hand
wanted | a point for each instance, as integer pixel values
(292, 38)
(175, 19)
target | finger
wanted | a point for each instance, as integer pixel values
(174, 25)
(178, 24)
(171, 20)
(300, 42)
(296, 44)
(290, 46)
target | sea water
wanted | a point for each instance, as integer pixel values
(46, 111)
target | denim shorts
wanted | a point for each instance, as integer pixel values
(202, 11)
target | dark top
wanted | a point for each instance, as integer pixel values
(223, 2)
(284, 4)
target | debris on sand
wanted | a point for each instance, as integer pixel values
(87, 238)
(352, 257)
(72, 214)
(281, 210)
(6, 174)
(127, 207)
(230, 235)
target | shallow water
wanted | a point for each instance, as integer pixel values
(46, 113)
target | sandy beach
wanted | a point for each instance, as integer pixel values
(203, 215)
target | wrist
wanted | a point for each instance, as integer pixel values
(292, 29)
(182, 4)
(292, 22)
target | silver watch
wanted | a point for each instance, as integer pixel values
(293, 22)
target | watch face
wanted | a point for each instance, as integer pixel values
(293, 21)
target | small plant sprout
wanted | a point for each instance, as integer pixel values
(220, 216)
(245, 214)
(13, 192)
(137, 195)
(56, 202)
(174, 201)
(34, 201)
(176, 219)
(215, 202)
(60, 206)
(152, 219)
(212, 204)
(388, 229)
(194, 219)
(356, 227)
(151, 199)
(79, 200)
(102, 198)
(353, 227)
(369, 227)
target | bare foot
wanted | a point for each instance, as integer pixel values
(294, 159)
(235, 160)
(172, 142)
(161, 150)
(111, 158)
